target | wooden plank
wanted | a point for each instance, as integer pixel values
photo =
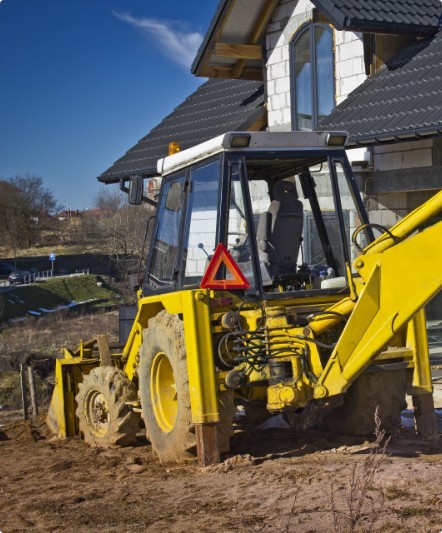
(239, 51)
(207, 444)
(256, 33)
(259, 124)
(226, 72)
(24, 396)
(34, 405)
(263, 20)
(424, 416)
(205, 60)
(103, 350)
(84, 345)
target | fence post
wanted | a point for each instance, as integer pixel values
(34, 404)
(24, 397)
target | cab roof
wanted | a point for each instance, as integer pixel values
(252, 142)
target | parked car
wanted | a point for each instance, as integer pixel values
(20, 276)
(5, 268)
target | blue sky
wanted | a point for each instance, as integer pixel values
(83, 80)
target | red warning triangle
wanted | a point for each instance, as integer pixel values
(222, 255)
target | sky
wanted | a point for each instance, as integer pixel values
(81, 81)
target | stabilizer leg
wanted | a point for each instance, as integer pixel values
(424, 416)
(207, 444)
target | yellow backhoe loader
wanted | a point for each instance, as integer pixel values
(266, 287)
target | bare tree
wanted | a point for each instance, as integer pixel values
(121, 229)
(25, 204)
(110, 199)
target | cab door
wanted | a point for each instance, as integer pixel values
(187, 228)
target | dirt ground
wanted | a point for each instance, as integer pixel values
(273, 480)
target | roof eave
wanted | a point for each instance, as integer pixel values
(220, 13)
(342, 22)
(212, 63)
(116, 176)
(334, 15)
(412, 134)
(369, 26)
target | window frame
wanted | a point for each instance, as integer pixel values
(165, 286)
(309, 27)
(177, 283)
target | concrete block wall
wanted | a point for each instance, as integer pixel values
(350, 68)
(414, 154)
(387, 209)
(286, 20)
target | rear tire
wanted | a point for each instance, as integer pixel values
(165, 397)
(356, 416)
(164, 389)
(104, 418)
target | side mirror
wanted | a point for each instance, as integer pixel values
(136, 190)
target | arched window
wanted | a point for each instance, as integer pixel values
(313, 86)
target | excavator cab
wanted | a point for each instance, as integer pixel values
(284, 212)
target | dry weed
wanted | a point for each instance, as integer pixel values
(364, 501)
(46, 336)
(39, 341)
(293, 511)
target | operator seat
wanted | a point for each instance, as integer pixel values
(279, 233)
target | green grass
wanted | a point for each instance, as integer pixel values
(53, 293)
(413, 511)
(394, 492)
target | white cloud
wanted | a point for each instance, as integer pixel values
(171, 36)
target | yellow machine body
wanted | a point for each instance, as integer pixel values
(286, 351)
(386, 322)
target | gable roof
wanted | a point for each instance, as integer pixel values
(392, 16)
(217, 106)
(233, 46)
(402, 101)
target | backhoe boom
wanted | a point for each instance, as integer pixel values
(398, 280)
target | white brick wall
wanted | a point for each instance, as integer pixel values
(286, 21)
(388, 209)
(385, 217)
(350, 68)
(279, 35)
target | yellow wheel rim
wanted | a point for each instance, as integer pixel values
(163, 392)
(97, 413)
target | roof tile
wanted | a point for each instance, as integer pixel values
(423, 16)
(404, 96)
(217, 106)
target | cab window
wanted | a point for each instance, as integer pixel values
(199, 242)
(167, 239)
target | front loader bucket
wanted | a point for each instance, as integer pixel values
(69, 372)
(55, 419)
(61, 418)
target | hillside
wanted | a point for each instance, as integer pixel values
(43, 297)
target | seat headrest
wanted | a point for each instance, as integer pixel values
(284, 189)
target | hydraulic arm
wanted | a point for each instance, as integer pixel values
(400, 272)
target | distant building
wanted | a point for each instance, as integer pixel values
(92, 213)
(68, 214)
(75, 214)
